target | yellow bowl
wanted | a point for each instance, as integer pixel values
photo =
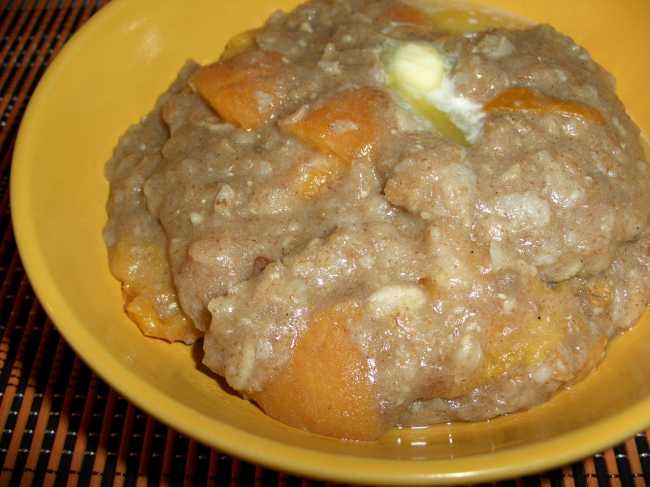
(104, 80)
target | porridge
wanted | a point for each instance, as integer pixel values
(375, 214)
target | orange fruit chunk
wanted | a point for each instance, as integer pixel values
(244, 90)
(402, 13)
(517, 344)
(315, 177)
(146, 281)
(463, 19)
(524, 99)
(173, 328)
(349, 125)
(242, 42)
(326, 387)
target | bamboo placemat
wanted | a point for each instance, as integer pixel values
(62, 425)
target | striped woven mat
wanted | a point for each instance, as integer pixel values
(61, 424)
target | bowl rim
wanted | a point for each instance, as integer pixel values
(507, 463)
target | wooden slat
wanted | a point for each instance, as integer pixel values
(21, 438)
(82, 439)
(43, 413)
(24, 17)
(612, 467)
(567, 479)
(146, 449)
(590, 472)
(62, 427)
(235, 467)
(100, 455)
(213, 468)
(259, 476)
(11, 354)
(635, 462)
(15, 362)
(7, 5)
(4, 297)
(28, 73)
(7, 242)
(123, 448)
(190, 463)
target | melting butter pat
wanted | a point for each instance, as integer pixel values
(417, 68)
(419, 74)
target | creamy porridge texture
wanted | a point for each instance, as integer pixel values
(374, 215)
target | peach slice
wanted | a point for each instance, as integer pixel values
(314, 177)
(463, 19)
(525, 99)
(144, 272)
(326, 387)
(244, 89)
(349, 125)
(245, 41)
(173, 328)
(402, 13)
(510, 350)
